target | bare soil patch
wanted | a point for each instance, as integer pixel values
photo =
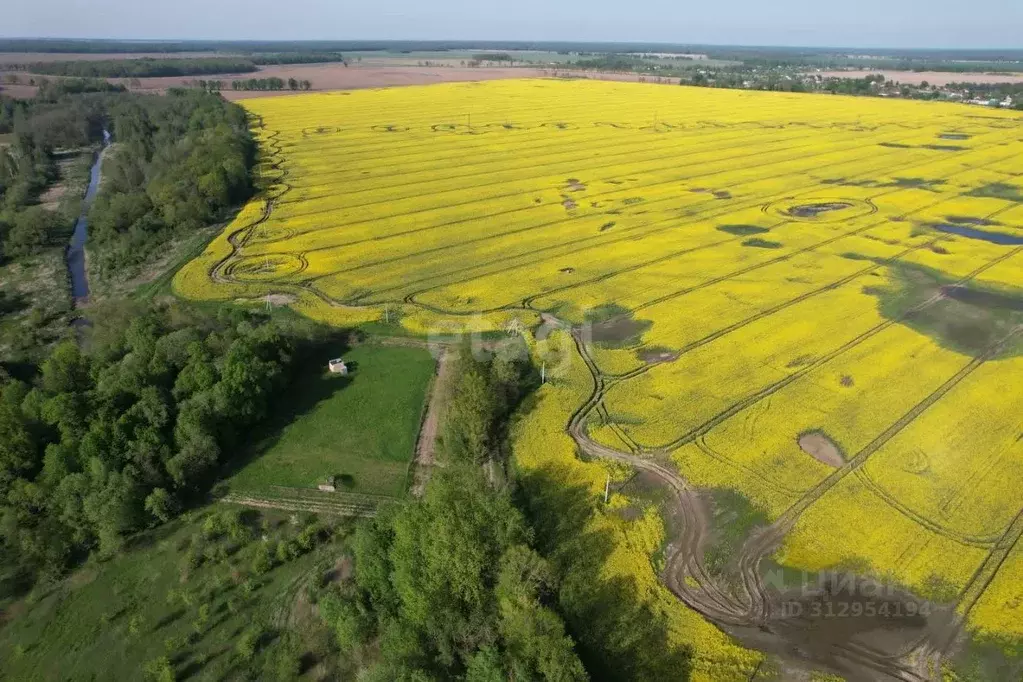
(18, 91)
(426, 447)
(814, 210)
(821, 448)
(655, 354)
(281, 299)
(337, 76)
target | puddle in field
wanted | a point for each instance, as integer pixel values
(655, 354)
(742, 230)
(613, 326)
(814, 210)
(851, 625)
(972, 233)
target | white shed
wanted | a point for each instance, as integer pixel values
(337, 366)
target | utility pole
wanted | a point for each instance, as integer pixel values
(543, 373)
(607, 487)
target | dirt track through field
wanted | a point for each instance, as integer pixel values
(912, 646)
(426, 445)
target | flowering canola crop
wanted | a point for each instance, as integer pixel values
(745, 267)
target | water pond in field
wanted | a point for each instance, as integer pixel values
(973, 233)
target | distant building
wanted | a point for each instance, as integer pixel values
(337, 366)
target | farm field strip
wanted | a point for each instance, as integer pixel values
(460, 171)
(672, 222)
(406, 257)
(758, 269)
(362, 139)
(779, 350)
(557, 181)
(357, 157)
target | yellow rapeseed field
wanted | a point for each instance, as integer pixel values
(742, 268)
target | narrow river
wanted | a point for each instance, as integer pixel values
(76, 249)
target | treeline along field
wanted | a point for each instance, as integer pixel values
(148, 67)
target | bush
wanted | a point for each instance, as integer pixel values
(160, 670)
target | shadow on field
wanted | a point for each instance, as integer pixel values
(616, 631)
(310, 385)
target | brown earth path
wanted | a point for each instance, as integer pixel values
(426, 444)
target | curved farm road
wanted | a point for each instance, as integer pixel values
(851, 625)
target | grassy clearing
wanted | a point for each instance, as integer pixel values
(152, 279)
(35, 306)
(199, 594)
(362, 426)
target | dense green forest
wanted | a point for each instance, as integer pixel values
(139, 68)
(449, 588)
(39, 128)
(180, 162)
(118, 434)
(149, 67)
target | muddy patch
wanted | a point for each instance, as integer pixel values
(607, 226)
(944, 147)
(742, 230)
(954, 136)
(815, 210)
(652, 355)
(612, 326)
(830, 621)
(821, 448)
(969, 220)
(722, 194)
(852, 255)
(574, 185)
(758, 243)
(566, 271)
(568, 204)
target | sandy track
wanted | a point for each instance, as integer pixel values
(426, 444)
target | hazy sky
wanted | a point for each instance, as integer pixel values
(865, 23)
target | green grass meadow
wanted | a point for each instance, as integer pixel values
(191, 595)
(362, 426)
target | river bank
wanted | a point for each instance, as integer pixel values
(76, 248)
